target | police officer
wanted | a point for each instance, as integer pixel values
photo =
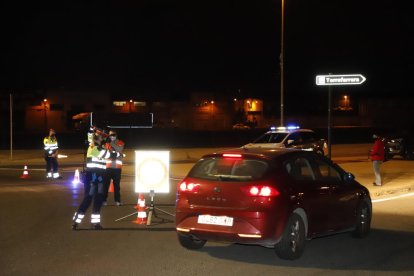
(94, 187)
(51, 155)
(115, 148)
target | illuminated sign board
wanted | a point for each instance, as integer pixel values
(152, 171)
(355, 79)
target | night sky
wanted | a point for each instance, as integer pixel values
(174, 47)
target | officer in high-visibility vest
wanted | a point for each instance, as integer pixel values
(115, 148)
(94, 187)
(51, 154)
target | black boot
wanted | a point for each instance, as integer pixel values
(97, 226)
(75, 226)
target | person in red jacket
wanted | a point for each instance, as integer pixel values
(377, 156)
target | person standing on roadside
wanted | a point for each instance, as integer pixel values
(377, 155)
(51, 154)
(115, 147)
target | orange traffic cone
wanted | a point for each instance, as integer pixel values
(142, 211)
(25, 172)
(76, 179)
(111, 187)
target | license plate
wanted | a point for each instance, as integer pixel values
(207, 219)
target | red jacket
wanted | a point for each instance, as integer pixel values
(377, 152)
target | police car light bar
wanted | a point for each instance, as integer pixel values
(284, 128)
(292, 127)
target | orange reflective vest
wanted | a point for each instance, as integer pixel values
(115, 149)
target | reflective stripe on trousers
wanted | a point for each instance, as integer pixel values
(78, 217)
(95, 218)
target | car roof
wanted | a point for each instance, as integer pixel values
(269, 153)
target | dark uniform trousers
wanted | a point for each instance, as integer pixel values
(115, 175)
(94, 190)
(51, 163)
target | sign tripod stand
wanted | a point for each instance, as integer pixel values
(152, 210)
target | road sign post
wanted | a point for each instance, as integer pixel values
(330, 80)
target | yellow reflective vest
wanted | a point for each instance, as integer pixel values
(95, 158)
(50, 145)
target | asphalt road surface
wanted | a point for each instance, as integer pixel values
(36, 239)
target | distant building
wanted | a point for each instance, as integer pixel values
(58, 107)
(203, 111)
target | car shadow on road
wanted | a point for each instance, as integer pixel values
(382, 250)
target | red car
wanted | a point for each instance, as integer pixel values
(276, 198)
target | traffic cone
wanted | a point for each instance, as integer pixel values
(111, 187)
(142, 211)
(25, 172)
(76, 179)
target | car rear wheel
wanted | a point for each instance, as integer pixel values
(407, 155)
(292, 243)
(363, 223)
(190, 242)
(319, 151)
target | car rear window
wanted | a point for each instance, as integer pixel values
(229, 169)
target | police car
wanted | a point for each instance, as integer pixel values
(290, 137)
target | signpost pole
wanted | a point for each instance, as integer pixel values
(329, 80)
(329, 121)
(11, 126)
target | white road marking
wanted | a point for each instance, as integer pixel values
(392, 198)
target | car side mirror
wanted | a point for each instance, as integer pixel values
(349, 177)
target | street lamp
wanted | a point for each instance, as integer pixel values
(130, 105)
(45, 112)
(346, 102)
(282, 61)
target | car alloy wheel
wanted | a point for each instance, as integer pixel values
(292, 243)
(363, 223)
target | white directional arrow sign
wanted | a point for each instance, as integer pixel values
(355, 79)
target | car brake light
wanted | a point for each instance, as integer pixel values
(189, 187)
(266, 191)
(232, 155)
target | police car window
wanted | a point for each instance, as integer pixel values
(296, 137)
(270, 138)
(277, 137)
(309, 136)
(300, 169)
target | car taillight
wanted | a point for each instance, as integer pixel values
(188, 187)
(261, 190)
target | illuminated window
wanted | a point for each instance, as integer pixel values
(140, 104)
(119, 103)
